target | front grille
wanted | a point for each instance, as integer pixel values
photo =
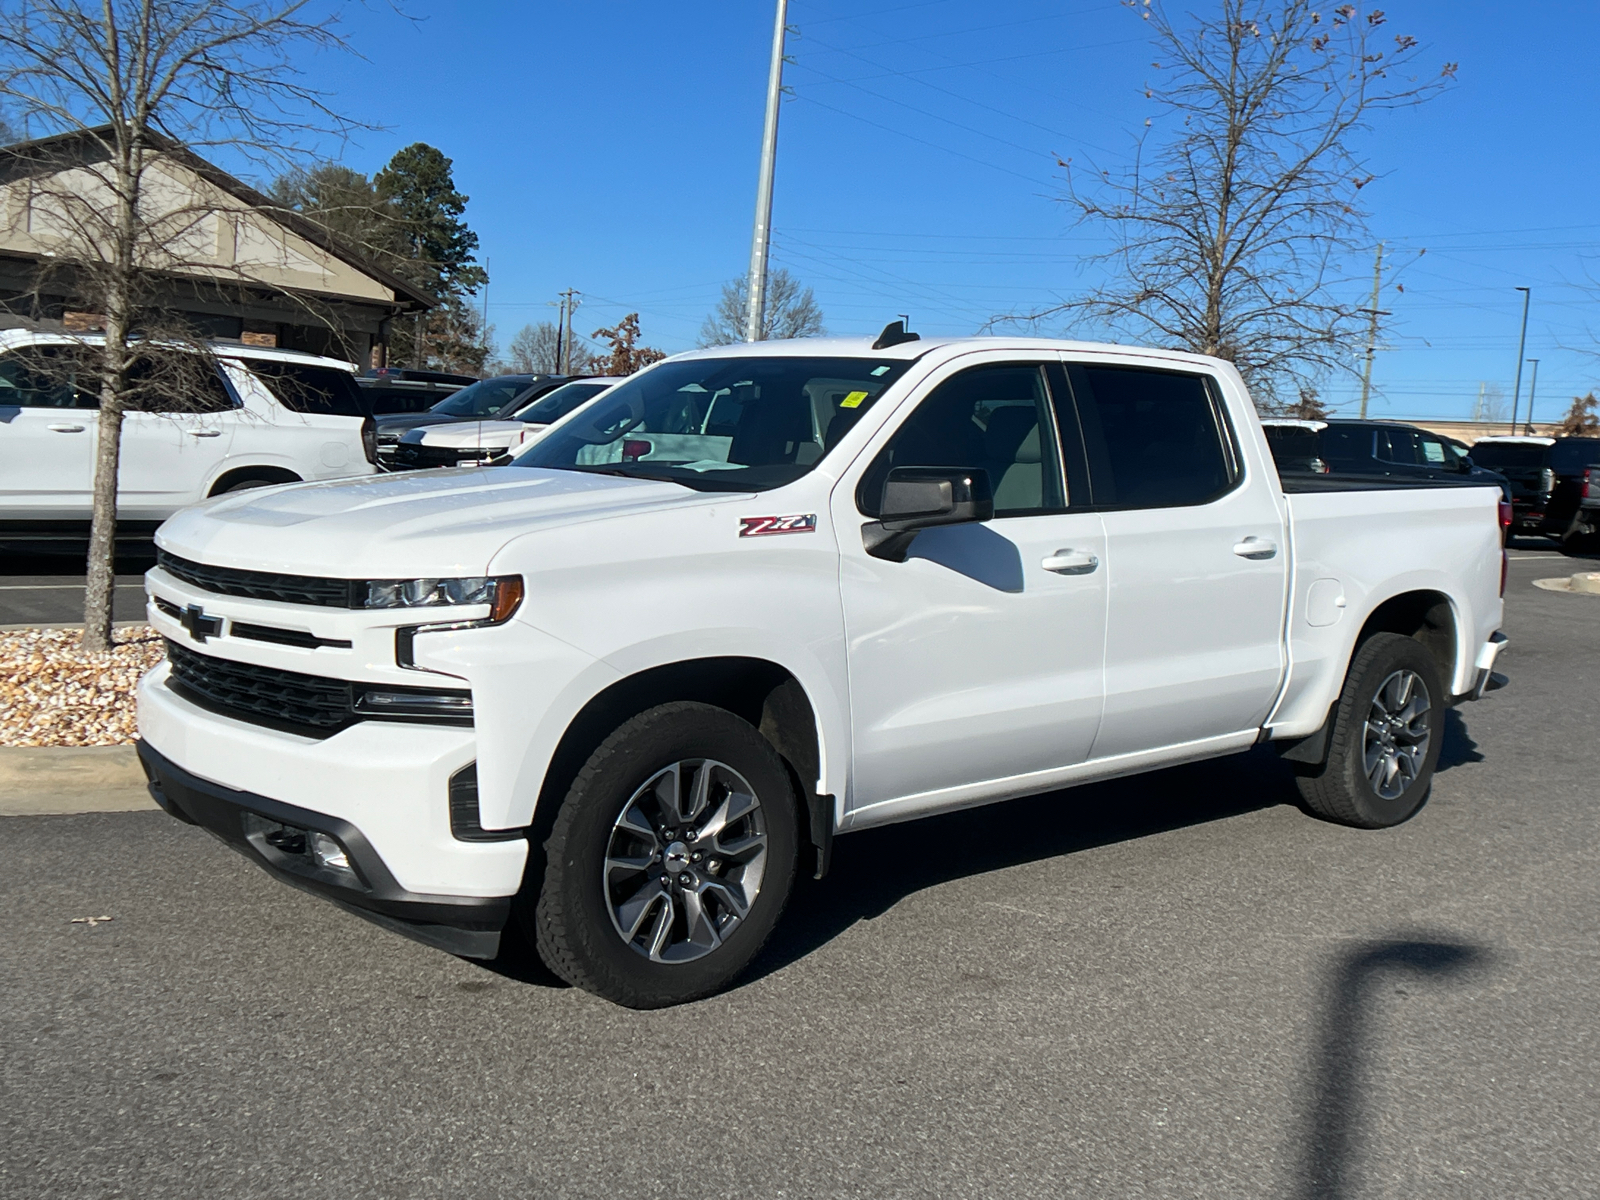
(411, 454)
(310, 705)
(264, 585)
(307, 704)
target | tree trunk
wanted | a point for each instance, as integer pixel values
(101, 581)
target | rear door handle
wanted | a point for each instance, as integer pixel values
(66, 429)
(1070, 562)
(206, 432)
(1255, 547)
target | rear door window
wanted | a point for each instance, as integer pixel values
(306, 388)
(1154, 439)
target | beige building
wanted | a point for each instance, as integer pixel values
(232, 263)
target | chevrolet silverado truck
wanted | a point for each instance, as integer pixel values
(603, 703)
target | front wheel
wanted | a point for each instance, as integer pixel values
(670, 859)
(1386, 737)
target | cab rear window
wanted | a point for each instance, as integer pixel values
(1572, 457)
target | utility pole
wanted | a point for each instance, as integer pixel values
(569, 304)
(1477, 409)
(1533, 385)
(1372, 330)
(762, 236)
(561, 330)
(1516, 396)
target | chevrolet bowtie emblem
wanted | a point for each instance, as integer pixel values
(199, 625)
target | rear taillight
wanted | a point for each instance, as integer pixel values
(369, 439)
(1589, 484)
(1547, 481)
(1506, 514)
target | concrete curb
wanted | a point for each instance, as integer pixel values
(44, 780)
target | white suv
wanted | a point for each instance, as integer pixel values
(277, 416)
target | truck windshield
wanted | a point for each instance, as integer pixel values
(485, 398)
(1495, 455)
(552, 406)
(719, 424)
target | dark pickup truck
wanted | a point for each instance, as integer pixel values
(1555, 486)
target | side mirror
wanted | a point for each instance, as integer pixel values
(917, 498)
(1467, 465)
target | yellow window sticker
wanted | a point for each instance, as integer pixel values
(853, 400)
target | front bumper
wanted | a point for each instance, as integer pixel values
(466, 925)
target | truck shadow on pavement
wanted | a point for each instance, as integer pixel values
(1331, 1132)
(874, 869)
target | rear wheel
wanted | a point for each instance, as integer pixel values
(1386, 737)
(670, 859)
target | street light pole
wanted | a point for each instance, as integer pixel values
(1516, 396)
(762, 235)
(1533, 385)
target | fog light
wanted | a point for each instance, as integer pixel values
(327, 852)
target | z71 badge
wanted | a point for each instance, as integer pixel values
(762, 526)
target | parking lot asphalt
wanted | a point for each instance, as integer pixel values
(1175, 986)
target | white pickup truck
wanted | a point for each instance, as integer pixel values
(606, 701)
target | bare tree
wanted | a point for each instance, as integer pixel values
(791, 311)
(133, 80)
(1230, 233)
(534, 351)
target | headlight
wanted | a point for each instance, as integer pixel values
(502, 594)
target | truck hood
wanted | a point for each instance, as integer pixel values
(417, 524)
(471, 434)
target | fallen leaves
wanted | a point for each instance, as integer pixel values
(55, 693)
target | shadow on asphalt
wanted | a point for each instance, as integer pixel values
(874, 869)
(69, 561)
(1329, 1140)
(1458, 747)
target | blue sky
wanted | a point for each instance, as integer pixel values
(612, 148)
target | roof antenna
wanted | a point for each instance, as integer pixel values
(893, 334)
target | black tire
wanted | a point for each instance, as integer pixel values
(1580, 545)
(1340, 790)
(576, 934)
(244, 485)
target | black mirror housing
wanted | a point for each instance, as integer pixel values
(917, 498)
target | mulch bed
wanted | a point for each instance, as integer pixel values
(55, 693)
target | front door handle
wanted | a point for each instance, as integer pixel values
(1256, 547)
(206, 432)
(66, 429)
(1070, 562)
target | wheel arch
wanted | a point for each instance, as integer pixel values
(766, 694)
(1429, 616)
(239, 474)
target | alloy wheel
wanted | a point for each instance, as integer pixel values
(685, 861)
(1395, 744)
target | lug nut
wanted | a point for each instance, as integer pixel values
(714, 865)
(696, 856)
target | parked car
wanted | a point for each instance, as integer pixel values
(468, 443)
(1388, 448)
(1555, 485)
(391, 390)
(487, 399)
(757, 596)
(269, 416)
